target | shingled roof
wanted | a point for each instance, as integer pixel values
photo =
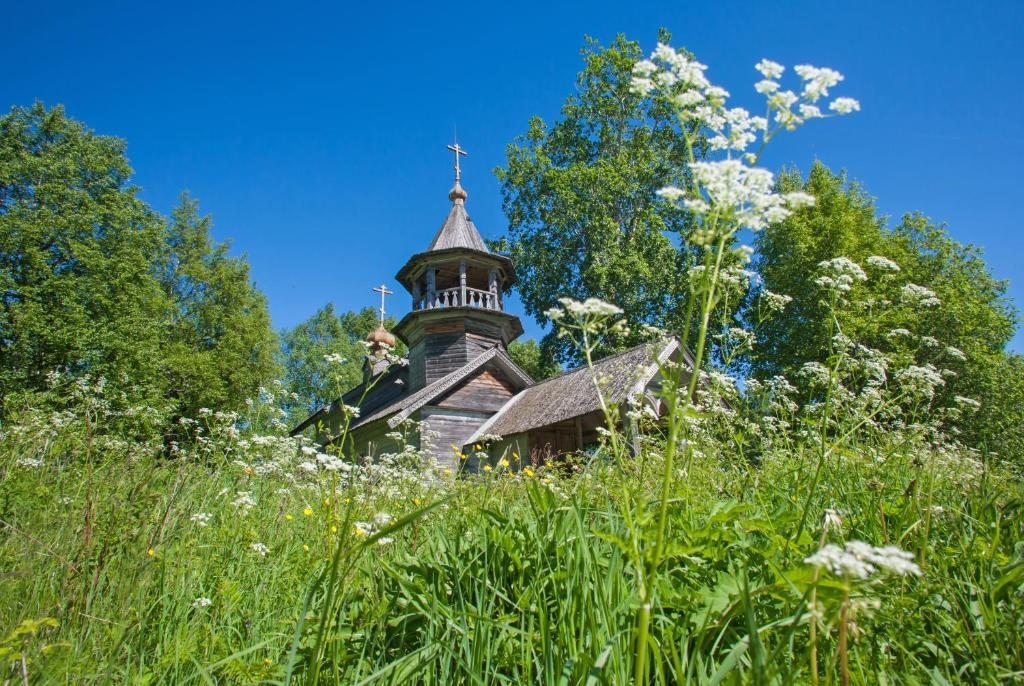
(458, 230)
(402, 408)
(573, 393)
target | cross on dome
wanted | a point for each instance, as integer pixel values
(458, 151)
(383, 290)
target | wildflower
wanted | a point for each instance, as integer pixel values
(920, 380)
(362, 529)
(487, 467)
(832, 520)
(882, 263)
(288, 517)
(32, 462)
(528, 472)
(967, 402)
(334, 358)
(769, 69)
(307, 512)
(244, 501)
(201, 518)
(859, 560)
(503, 463)
(260, 549)
(956, 354)
(775, 302)
(912, 294)
(844, 105)
(201, 602)
(305, 547)
(151, 552)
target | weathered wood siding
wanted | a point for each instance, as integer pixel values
(417, 367)
(371, 441)
(451, 429)
(488, 391)
(447, 346)
(444, 349)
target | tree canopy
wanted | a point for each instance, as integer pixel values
(308, 373)
(580, 197)
(94, 282)
(972, 316)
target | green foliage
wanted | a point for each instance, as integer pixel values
(584, 220)
(77, 249)
(313, 379)
(532, 358)
(518, 577)
(974, 315)
(220, 346)
(95, 284)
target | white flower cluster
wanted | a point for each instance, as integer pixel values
(882, 263)
(969, 403)
(380, 520)
(912, 294)
(775, 302)
(201, 602)
(743, 193)
(244, 501)
(920, 381)
(815, 372)
(859, 560)
(591, 307)
(840, 274)
(956, 353)
(201, 518)
(260, 549)
(334, 358)
(746, 194)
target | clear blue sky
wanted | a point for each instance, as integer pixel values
(316, 135)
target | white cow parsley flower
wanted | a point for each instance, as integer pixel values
(882, 263)
(859, 560)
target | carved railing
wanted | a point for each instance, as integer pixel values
(452, 297)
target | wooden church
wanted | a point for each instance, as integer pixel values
(458, 383)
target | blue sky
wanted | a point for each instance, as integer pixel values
(315, 134)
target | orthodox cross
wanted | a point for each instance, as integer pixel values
(383, 290)
(458, 151)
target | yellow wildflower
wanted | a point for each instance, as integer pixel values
(288, 517)
(528, 471)
(503, 463)
(487, 467)
(308, 512)
(151, 552)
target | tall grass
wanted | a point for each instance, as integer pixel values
(509, 579)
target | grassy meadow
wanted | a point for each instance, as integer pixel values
(234, 562)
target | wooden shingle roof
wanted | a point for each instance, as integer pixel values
(458, 231)
(574, 392)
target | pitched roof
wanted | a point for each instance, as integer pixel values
(458, 231)
(387, 387)
(574, 393)
(402, 408)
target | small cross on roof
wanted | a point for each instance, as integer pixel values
(458, 150)
(383, 290)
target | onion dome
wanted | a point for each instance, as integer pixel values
(380, 336)
(457, 193)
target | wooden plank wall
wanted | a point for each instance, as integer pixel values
(453, 428)
(487, 391)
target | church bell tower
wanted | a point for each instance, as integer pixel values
(457, 287)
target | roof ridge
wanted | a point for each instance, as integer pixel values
(583, 367)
